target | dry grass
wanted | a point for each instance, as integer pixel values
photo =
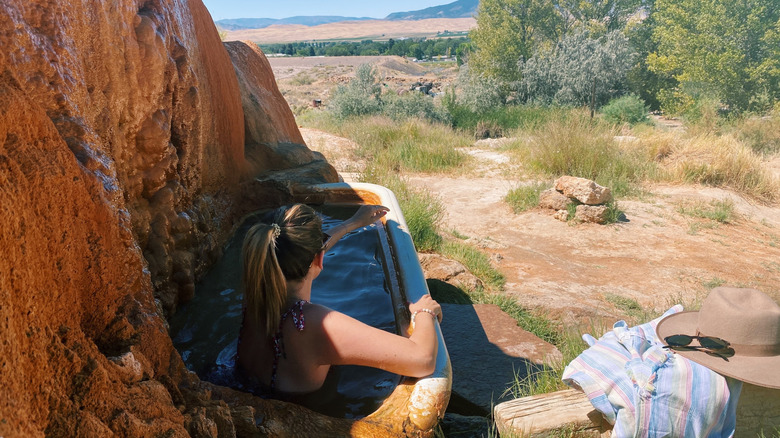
(721, 161)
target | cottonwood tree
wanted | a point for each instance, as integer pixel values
(579, 71)
(726, 49)
(508, 30)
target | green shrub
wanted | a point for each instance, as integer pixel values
(627, 109)
(360, 97)
(414, 105)
(413, 145)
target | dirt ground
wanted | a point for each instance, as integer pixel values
(303, 79)
(657, 256)
(356, 30)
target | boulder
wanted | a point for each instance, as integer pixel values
(553, 199)
(591, 213)
(438, 267)
(487, 349)
(583, 190)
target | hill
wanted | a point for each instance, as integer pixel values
(260, 23)
(457, 9)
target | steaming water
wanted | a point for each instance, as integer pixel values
(205, 331)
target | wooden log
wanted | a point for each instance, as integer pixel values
(547, 414)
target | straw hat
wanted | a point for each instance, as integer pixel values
(748, 319)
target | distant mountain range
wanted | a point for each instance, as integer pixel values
(457, 9)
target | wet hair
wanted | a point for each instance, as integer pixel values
(274, 252)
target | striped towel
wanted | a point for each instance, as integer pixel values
(645, 390)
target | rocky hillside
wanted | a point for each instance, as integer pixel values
(130, 143)
(456, 9)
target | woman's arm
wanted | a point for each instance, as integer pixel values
(347, 341)
(366, 215)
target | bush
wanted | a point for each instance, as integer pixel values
(627, 109)
(414, 105)
(480, 93)
(761, 134)
(361, 97)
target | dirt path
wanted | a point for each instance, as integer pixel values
(658, 256)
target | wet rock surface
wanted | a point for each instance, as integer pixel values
(121, 169)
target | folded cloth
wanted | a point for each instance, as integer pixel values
(645, 390)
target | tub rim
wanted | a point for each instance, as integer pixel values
(421, 401)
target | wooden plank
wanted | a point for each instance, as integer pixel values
(542, 415)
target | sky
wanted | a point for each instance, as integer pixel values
(221, 9)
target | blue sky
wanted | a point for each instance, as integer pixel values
(220, 9)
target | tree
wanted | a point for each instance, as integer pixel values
(599, 16)
(508, 31)
(579, 71)
(726, 49)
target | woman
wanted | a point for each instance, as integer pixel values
(288, 344)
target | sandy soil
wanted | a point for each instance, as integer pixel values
(303, 79)
(358, 30)
(657, 256)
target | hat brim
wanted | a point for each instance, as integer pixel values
(756, 370)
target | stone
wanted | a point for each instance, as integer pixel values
(596, 214)
(440, 268)
(553, 199)
(583, 190)
(562, 215)
(487, 349)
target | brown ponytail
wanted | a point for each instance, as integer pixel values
(275, 253)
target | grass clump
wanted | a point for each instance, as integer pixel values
(629, 109)
(411, 146)
(761, 134)
(475, 261)
(721, 211)
(580, 147)
(721, 161)
(525, 197)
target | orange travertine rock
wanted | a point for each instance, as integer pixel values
(121, 160)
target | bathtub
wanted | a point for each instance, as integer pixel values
(416, 405)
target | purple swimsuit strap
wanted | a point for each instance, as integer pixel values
(296, 312)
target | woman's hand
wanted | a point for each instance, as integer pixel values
(367, 215)
(426, 302)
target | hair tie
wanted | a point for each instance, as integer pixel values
(277, 230)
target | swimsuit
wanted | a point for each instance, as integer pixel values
(296, 311)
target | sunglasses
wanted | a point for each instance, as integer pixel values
(325, 238)
(708, 344)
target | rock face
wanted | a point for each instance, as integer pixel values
(122, 158)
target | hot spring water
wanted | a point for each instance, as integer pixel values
(205, 330)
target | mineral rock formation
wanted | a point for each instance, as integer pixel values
(122, 157)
